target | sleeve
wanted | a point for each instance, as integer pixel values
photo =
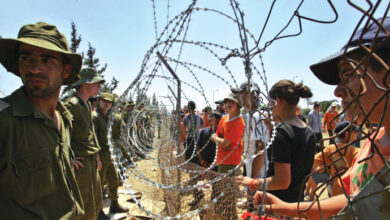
(281, 147)
(310, 119)
(319, 159)
(235, 132)
(353, 152)
(201, 121)
(219, 129)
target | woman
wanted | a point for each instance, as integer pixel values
(228, 138)
(291, 154)
(365, 82)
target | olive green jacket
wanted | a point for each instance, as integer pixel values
(101, 128)
(117, 125)
(84, 142)
(36, 174)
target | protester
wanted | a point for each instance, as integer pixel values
(207, 155)
(35, 181)
(192, 123)
(257, 132)
(314, 121)
(108, 172)
(335, 157)
(84, 143)
(291, 154)
(340, 69)
(206, 116)
(330, 120)
(229, 141)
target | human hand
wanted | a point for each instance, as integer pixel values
(243, 180)
(99, 163)
(272, 203)
(77, 163)
(213, 138)
(311, 185)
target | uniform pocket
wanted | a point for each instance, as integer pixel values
(35, 173)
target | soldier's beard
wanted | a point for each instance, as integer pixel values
(38, 91)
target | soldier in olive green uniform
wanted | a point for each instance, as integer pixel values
(108, 172)
(36, 173)
(120, 122)
(84, 142)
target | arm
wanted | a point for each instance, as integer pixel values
(99, 162)
(221, 142)
(258, 161)
(280, 181)
(329, 207)
(310, 120)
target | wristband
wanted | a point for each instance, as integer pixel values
(252, 185)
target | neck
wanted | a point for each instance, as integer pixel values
(84, 95)
(46, 105)
(233, 114)
(103, 110)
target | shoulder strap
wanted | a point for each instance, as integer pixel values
(3, 105)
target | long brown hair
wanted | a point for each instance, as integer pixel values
(289, 91)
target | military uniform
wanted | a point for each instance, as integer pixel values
(108, 172)
(85, 144)
(36, 173)
(118, 126)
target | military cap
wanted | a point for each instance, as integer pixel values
(131, 103)
(107, 97)
(88, 76)
(219, 101)
(44, 36)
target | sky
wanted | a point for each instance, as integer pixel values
(122, 31)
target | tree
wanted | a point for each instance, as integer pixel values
(92, 61)
(75, 41)
(110, 87)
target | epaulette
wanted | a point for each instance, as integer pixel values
(3, 105)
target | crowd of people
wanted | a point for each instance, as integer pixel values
(55, 157)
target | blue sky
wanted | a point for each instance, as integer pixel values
(122, 31)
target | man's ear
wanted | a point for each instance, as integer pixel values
(67, 71)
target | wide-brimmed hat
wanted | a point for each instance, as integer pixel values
(88, 76)
(327, 69)
(40, 35)
(232, 97)
(107, 96)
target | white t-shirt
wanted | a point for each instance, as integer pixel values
(257, 131)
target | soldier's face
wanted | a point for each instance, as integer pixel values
(42, 71)
(106, 105)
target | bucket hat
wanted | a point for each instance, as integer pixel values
(107, 97)
(232, 97)
(327, 69)
(88, 76)
(40, 35)
(253, 87)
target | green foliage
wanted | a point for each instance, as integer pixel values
(92, 61)
(110, 87)
(305, 112)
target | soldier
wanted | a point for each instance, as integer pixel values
(85, 144)
(36, 175)
(108, 172)
(120, 122)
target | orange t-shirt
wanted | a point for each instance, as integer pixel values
(328, 117)
(206, 121)
(233, 131)
(360, 173)
(334, 160)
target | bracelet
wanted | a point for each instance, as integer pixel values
(252, 185)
